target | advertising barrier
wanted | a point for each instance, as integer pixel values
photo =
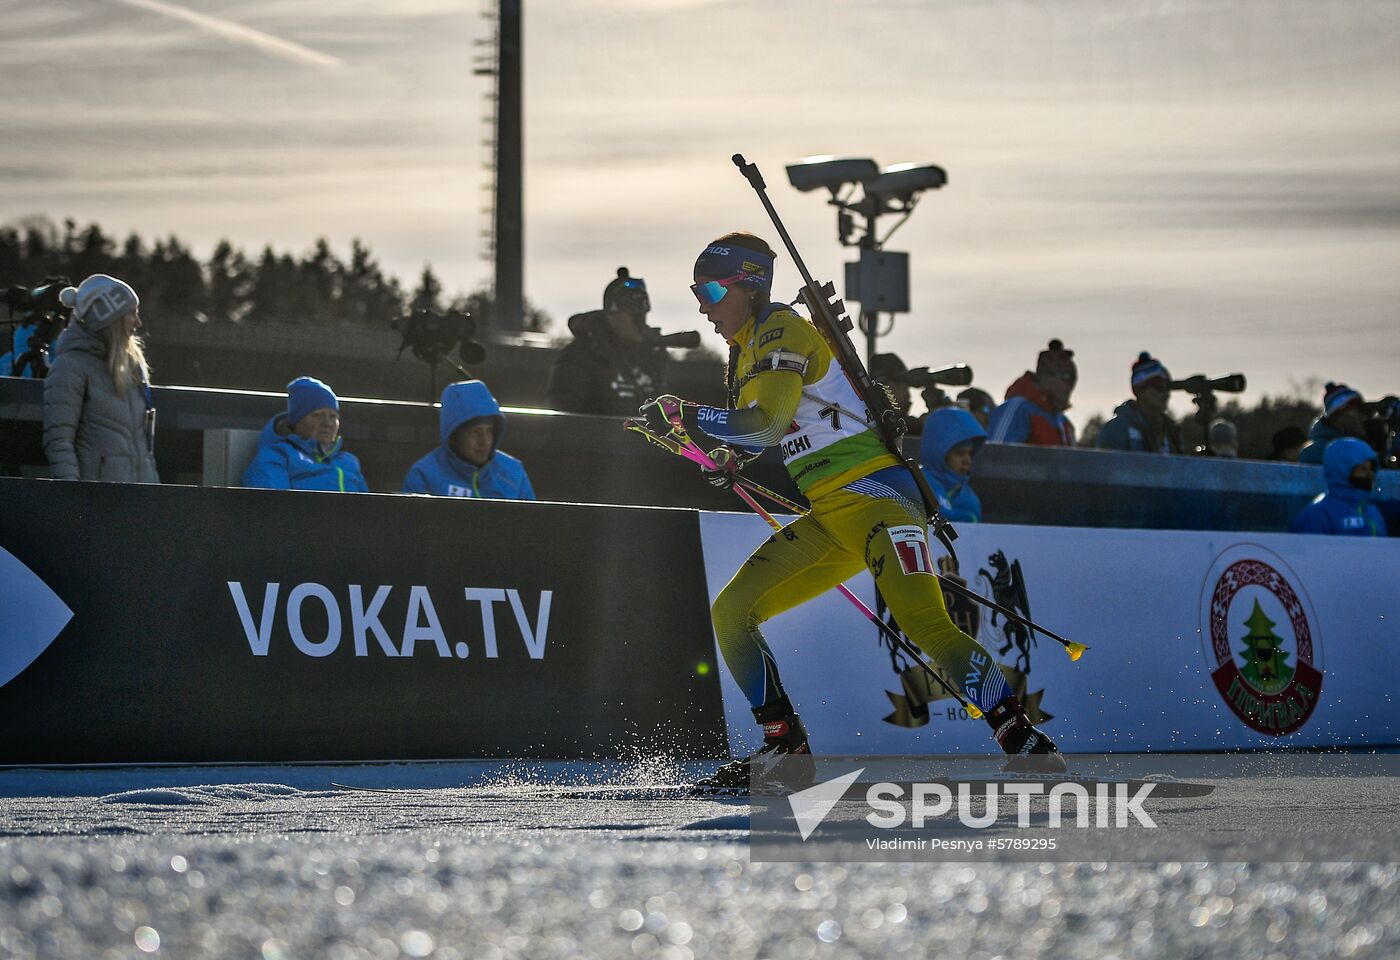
(1199, 641)
(179, 624)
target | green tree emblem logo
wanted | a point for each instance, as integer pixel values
(1265, 661)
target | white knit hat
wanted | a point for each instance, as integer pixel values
(100, 300)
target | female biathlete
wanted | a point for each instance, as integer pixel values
(786, 389)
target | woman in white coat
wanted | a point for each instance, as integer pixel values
(99, 416)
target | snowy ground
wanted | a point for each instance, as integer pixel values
(489, 860)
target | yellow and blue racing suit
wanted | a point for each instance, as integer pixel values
(866, 512)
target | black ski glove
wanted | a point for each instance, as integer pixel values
(727, 467)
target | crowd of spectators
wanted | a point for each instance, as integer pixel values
(1033, 412)
(99, 416)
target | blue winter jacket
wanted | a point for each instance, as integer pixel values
(1343, 509)
(1320, 436)
(285, 461)
(444, 474)
(944, 429)
(1129, 430)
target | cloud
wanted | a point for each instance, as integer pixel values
(237, 33)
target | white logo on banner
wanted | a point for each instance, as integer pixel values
(421, 621)
(33, 616)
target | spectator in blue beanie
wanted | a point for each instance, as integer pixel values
(1343, 415)
(951, 436)
(1143, 424)
(302, 449)
(1345, 509)
(468, 464)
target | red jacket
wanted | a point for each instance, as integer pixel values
(1027, 416)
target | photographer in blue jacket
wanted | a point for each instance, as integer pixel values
(468, 463)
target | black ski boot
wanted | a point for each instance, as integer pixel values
(1030, 750)
(784, 756)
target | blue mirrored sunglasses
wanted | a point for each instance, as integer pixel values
(712, 292)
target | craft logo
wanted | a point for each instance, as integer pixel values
(1008, 640)
(1257, 634)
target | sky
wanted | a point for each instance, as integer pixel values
(1215, 182)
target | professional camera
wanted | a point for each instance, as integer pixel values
(958, 375)
(1386, 408)
(431, 336)
(39, 306)
(1381, 425)
(686, 340)
(1203, 390)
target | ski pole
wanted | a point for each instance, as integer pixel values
(672, 445)
(702, 458)
(693, 453)
(1075, 650)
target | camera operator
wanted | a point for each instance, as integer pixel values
(615, 360)
(1143, 424)
(1035, 405)
(99, 411)
(1343, 415)
(37, 317)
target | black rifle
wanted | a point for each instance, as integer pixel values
(829, 316)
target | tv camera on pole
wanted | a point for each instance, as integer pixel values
(879, 281)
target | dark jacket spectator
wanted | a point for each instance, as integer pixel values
(468, 463)
(302, 449)
(1345, 509)
(951, 437)
(1343, 415)
(979, 403)
(1143, 424)
(99, 416)
(1287, 443)
(1035, 405)
(1222, 440)
(614, 363)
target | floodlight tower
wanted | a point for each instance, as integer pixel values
(880, 279)
(506, 238)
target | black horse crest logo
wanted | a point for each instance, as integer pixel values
(1006, 585)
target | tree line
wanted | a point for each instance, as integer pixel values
(316, 287)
